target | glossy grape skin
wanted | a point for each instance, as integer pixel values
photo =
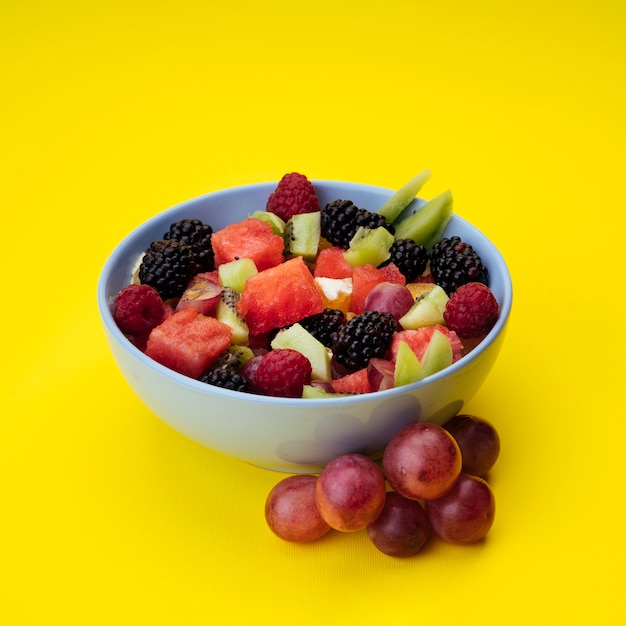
(350, 492)
(422, 461)
(402, 528)
(391, 298)
(465, 513)
(478, 441)
(291, 512)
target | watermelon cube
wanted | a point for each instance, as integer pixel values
(188, 342)
(331, 263)
(355, 382)
(251, 238)
(280, 296)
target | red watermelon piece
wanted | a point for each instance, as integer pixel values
(355, 382)
(188, 342)
(280, 296)
(332, 264)
(419, 339)
(249, 239)
(366, 277)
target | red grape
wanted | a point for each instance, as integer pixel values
(291, 512)
(465, 513)
(402, 528)
(350, 492)
(389, 297)
(478, 440)
(422, 461)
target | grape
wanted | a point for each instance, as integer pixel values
(422, 461)
(380, 374)
(291, 512)
(402, 528)
(350, 492)
(465, 513)
(478, 441)
(388, 297)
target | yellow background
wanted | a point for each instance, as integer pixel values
(113, 111)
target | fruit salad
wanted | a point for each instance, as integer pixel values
(301, 300)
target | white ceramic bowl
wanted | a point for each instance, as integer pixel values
(293, 435)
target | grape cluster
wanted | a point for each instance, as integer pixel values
(438, 485)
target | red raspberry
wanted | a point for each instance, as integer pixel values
(138, 309)
(282, 372)
(471, 311)
(294, 194)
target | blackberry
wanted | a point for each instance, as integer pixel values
(409, 257)
(341, 219)
(168, 266)
(454, 263)
(364, 337)
(226, 378)
(196, 234)
(323, 325)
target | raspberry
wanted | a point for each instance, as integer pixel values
(472, 311)
(293, 195)
(138, 309)
(454, 262)
(409, 257)
(364, 337)
(282, 372)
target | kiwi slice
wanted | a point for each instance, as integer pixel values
(314, 391)
(427, 224)
(277, 223)
(226, 312)
(235, 273)
(438, 354)
(401, 199)
(302, 235)
(369, 246)
(427, 309)
(408, 368)
(300, 339)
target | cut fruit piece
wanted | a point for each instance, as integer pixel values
(202, 293)
(366, 277)
(337, 292)
(280, 296)
(356, 382)
(188, 342)
(369, 246)
(251, 238)
(317, 391)
(438, 354)
(427, 310)
(228, 314)
(419, 339)
(277, 224)
(298, 338)
(235, 273)
(401, 199)
(331, 263)
(408, 368)
(427, 224)
(380, 373)
(235, 357)
(302, 236)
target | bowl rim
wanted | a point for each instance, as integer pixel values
(106, 315)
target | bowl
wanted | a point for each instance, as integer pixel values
(292, 434)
